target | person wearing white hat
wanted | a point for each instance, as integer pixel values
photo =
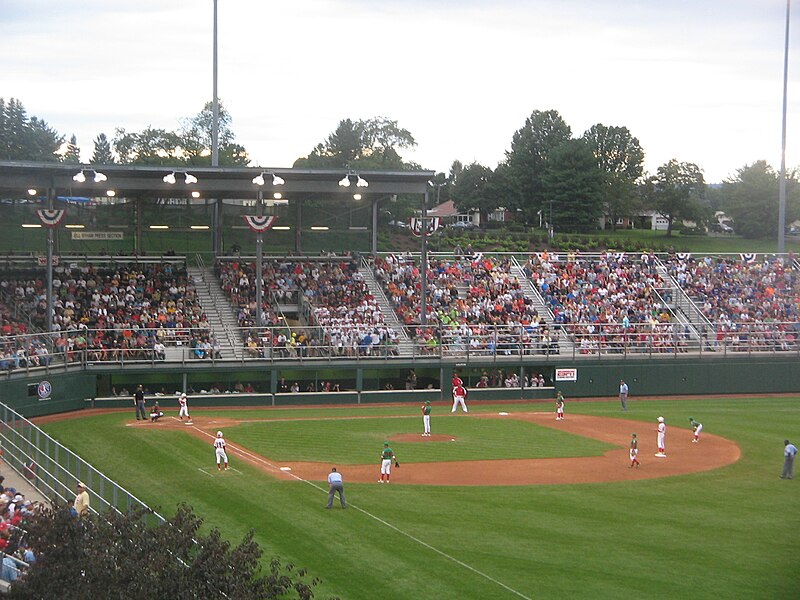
(184, 410)
(82, 500)
(662, 434)
(219, 449)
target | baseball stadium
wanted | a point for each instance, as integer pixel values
(332, 354)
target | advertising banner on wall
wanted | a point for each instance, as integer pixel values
(566, 374)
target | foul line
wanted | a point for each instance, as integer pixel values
(262, 460)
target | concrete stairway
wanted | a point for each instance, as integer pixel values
(405, 344)
(221, 317)
(565, 345)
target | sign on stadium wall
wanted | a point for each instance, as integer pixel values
(566, 374)
(97, 235)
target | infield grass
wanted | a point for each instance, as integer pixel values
(727, 533)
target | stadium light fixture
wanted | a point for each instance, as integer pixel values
(31, 192)
(170, 178)
(80, 176)
(276, 179)
(190, 179)
(356, 196)
(352, 175)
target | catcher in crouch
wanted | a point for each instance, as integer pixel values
(387, 456)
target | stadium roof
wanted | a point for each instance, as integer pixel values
(16, 177)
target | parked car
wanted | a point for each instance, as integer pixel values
(462, 225)
(720, 228)
(400, 224)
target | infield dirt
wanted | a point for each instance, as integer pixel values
(683, 456)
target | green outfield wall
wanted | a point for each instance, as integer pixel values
(377, 383)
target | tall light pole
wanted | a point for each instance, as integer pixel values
(782, 192)
(216, 234)
(215, 102)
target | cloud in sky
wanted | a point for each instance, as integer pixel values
(698, 81)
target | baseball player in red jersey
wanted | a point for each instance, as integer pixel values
(219, 449)
(634, 451)
(457, 380)
(459, 397)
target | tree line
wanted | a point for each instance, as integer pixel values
(546, 177)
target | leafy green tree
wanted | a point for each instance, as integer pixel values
(620, 157)
(118, 556)
(102, 151)
(531, 148)
(574, 185)
(23, 138)
(72, 153)
(371, 144)
(148, 147)
(676, 192)
(191, 145)
(750, 198)
(196, 135)
(472, 190)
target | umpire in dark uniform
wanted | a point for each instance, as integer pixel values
(138, 402)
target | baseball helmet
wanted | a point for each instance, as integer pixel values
(691, 418)
(219, 434)
(385, 443)
(633, 435)
(660, 419)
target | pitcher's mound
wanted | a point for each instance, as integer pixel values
(418, 437)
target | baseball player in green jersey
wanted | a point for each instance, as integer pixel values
(634, 451)
(697, 428)
(387, 456)
(426, 418)
(559, 406)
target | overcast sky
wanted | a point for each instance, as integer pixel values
(697, 80)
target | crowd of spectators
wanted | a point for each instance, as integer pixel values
(753, 305)
(475, 304)
(342, 317)
(130, 311)
(14, 509)
(608, 302)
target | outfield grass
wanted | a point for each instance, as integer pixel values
(728, 533)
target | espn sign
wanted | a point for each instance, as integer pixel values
(566, 374)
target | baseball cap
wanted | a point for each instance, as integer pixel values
(81, 484)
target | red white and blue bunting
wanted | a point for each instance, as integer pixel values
(419, 225)
(259, 224)
(748, 257)
(51, 218)
(684, 255)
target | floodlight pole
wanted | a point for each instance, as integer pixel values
(782, 192)
(49, 283)
(423, 316)
(216, 236)
(259, 263)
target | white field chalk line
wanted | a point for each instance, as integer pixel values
(205, 472)
(383, 522)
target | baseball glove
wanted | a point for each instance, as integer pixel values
(397, 464)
